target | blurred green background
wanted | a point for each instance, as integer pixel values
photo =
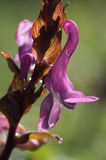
(83, 129)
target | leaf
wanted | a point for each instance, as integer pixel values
(17, 83)
(45, 135)
(11, 64)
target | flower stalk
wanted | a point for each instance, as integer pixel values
(10, 144)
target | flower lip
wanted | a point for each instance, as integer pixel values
(85, 99)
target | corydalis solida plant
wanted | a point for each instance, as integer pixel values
(39, 46)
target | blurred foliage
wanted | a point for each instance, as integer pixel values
(83, 129)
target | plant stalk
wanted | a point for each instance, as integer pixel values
(10, 144)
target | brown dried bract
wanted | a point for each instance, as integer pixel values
(46, 31)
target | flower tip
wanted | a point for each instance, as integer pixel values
(25, 24)
(1, 52)
(59, 139)
(84, 99)
(70, 26)
(23, 34)
(94, 98)
(5, 54)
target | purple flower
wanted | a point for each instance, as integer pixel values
(61, 89)
(24, 41)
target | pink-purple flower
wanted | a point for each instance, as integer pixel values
(61, 89)
(24, 41)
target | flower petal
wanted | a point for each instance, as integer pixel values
(23, 35)
(4, 125)
(17, 58)
(78, 97)
(24, 41)
(49, 114)
(26, 61)
(55, 113)
(57, 80)
(85, 99)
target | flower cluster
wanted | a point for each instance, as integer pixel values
(40, 58)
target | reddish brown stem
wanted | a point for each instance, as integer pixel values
(9, 144)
